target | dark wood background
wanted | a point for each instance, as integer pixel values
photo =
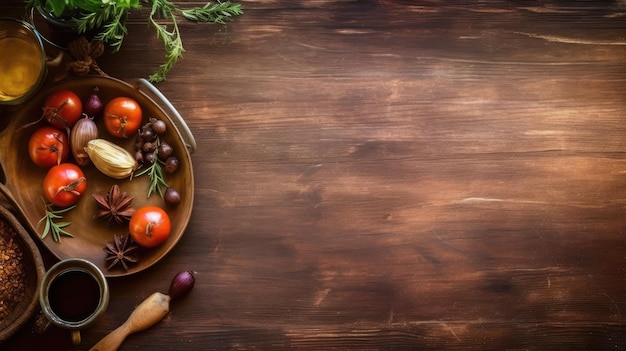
(392, 175)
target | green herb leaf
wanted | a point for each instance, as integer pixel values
(219, 12)
(55, 228)
(109, 18)
(173, 49)
(155, 174)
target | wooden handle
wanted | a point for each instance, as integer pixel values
(147, 314)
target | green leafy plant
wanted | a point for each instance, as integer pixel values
(108, 18)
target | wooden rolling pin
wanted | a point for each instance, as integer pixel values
(147, 314)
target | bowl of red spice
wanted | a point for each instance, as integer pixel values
(21, 272)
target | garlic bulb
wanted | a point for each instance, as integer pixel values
(83, 131)
(111, 159)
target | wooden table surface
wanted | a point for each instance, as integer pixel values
(391, 175)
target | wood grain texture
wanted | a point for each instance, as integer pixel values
(395, 175)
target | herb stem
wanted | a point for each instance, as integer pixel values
(108, 18)
(155, 175)
(51, 225)
(219, 12)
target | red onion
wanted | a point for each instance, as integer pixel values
(181, 284)
(93, 105)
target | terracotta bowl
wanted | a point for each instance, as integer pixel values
(34, 270)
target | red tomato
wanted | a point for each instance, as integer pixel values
(62, 109)
(64, 184)
(122, 117)
(48, 146)
(149, 226)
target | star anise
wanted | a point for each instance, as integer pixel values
(122, 251)
(114, 206)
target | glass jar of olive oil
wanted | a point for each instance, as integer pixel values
(22, 61)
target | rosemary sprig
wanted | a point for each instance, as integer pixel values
(51, 226)
(108, 17)
(219, 12)
(171, 39)
(111, 19)
(155, 174)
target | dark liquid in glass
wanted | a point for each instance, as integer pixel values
(74, 295)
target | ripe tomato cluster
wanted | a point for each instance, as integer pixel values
(65, 182)
(49, 145)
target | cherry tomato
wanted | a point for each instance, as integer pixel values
(48, 146)
(149, 226)
(122, 117)
(62, 109)
(64, 184)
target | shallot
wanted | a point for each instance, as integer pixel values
(93, 105)
(83, 131)
(181, 284)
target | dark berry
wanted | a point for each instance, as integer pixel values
(171, 197)
(165, 150)
(148, 147)
(148, 135)
(148, 158)
(171, 164)
(159, 127)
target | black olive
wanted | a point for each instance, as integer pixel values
(148, 135)
(148, 147)
(158, 126)
(171, 164)
(165, 150)
(171, 197)
(148, 158)
(139, 157)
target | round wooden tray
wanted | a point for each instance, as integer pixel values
(24, 179)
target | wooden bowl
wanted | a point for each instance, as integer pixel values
(24, 179)
(34, 270)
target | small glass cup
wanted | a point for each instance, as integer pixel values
(24, 70)
(73, 294)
